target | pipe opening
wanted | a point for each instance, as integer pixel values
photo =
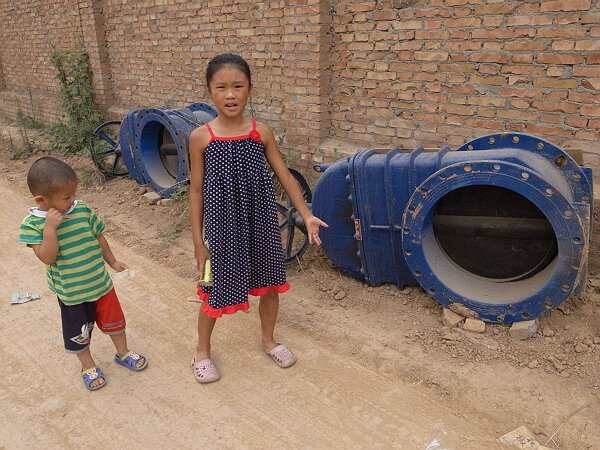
(494, 233)
(159, 153)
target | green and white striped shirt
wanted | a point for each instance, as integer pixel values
(79, 274)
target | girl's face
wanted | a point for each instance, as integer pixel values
(229, 89)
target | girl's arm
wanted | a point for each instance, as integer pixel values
(199, 139)
(108, 255)
(47, 251)
(289, 184)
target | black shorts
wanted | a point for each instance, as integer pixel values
(78, 320)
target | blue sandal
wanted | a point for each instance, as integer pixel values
(90, 375)
(130, 361)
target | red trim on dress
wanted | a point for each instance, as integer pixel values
(218, 312)
(258, 292)
(253, 134)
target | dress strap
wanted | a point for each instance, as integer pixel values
(212, 135)
(253, 124)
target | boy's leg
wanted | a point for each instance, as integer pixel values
(267, 310)
(77, 325)
(206, 326)
(111, 320)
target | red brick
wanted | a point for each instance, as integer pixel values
(495, 81)
(514, 114)
(584, 97)
(548, 131)
(522, 58)
(528, 45)
(527, 92)
(520, 103)
(565, 5)
(590, 17)
(565, 107)
(503, 8)
(592, 111)
(462, 23)
(489, 57)
(517, 20)
(577, 122)
(561, 32)
(551, 118)
(553, 58)
(583, 71)
(431, 56)
(554, 83)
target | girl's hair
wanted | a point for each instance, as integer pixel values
(227, 59)
(47, 174)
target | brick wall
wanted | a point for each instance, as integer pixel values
(329, 76)
(30, 32)
(450, 70)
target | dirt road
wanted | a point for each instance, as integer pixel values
(325, 401)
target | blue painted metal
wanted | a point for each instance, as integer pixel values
(380, 207)
(144, 131)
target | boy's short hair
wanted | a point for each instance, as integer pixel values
(47, 174)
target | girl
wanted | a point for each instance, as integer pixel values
(232, 200)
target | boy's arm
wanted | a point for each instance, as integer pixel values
(47, 251)
(108, 255)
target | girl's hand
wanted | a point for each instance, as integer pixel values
(201, 254)
(118, 266)
(312, 224)
(53, 219)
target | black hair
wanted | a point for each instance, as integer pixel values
(47, 174)
(227, 59)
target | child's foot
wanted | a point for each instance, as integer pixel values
(205, 371)
(282, 356)
(93, 378)
(132, 360)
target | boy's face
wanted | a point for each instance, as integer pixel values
(61, 199)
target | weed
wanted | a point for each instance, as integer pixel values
(88, 177)
(77, 98)
(178, 211)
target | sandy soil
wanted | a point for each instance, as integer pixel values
(376, 367)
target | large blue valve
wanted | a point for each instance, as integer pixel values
(501, 226)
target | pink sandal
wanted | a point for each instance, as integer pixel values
(282, 356)
(205, 371)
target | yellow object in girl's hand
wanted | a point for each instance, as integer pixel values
(207, 278)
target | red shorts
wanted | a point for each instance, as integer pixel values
(109, 315)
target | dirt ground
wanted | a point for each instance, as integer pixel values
(376, 366)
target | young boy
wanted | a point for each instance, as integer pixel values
(66, 235)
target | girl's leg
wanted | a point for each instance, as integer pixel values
(205, 328)
(267, 310)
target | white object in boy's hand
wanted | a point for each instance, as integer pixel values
(127, 273)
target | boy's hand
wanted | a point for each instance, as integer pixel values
(312, 224)
(53, 219)
(118, 266)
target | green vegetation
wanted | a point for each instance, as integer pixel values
(77, 98)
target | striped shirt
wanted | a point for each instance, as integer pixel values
(79, 274)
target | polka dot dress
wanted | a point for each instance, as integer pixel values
(241, 225)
